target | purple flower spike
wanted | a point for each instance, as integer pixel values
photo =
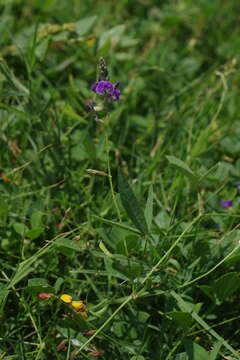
(238, 186)
(104, 87)
(226, 203)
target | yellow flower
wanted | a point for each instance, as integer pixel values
(80, 308)
(66, 298)
(78, 305)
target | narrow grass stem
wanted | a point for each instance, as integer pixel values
(110, 178)
(112, 190)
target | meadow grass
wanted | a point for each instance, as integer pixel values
(123, 208)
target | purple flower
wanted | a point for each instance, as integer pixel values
(104, 87)
(238, 186)
(226, 203)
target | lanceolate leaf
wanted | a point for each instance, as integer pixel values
(149, 207)
(131, 204)
(84, 25)
(201, 143)
(182, 166)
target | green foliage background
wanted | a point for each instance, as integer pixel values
(158, 263)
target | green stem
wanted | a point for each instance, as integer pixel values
(110, 177)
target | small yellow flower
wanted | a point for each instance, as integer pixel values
(78, 305)
(80, 308)
(66, 298)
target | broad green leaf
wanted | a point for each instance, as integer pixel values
(143, 316)
(84, 25)
(184, 319)
(36, 219)
(163, 220)
(149, 207)
(226, 285)
(131, 204)
(182, 166)
(37, 282)
(34, 233)
(21, 229)
(38, 285)
(195, 351)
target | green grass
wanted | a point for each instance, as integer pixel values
(148, 246)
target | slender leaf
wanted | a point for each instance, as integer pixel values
(182, 166)
(201, 143)
(149, 207)
(119, 225)
(104, 249)
(131, 204)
